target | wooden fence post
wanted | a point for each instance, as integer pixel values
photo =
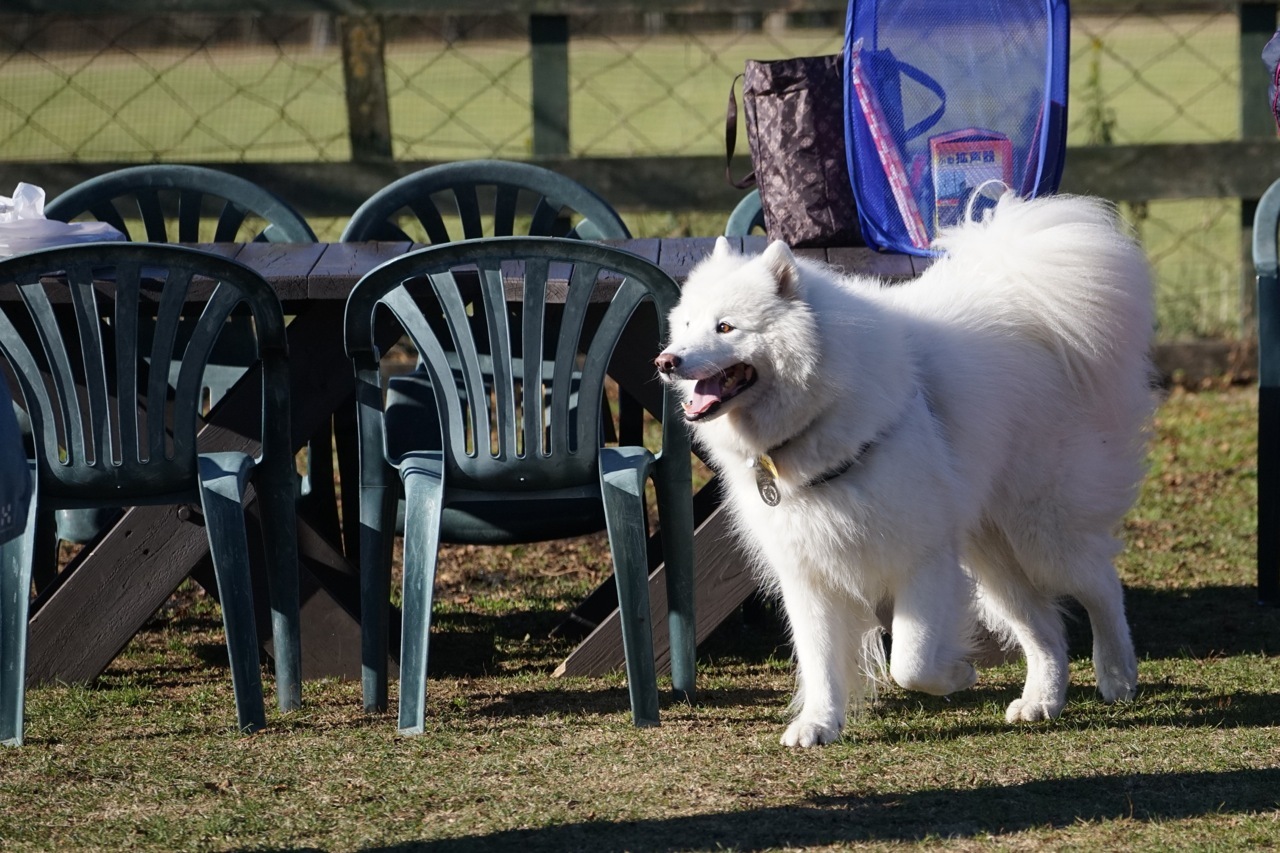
(1257, 24)
(549, 67)
(365, 74)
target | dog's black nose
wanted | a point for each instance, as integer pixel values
(667, 362)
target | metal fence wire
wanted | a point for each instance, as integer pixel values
(214, 88)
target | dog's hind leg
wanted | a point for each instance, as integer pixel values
(933, 631)
(1034, 619)
(826, 634)
(1092, 581)
(1036, 622)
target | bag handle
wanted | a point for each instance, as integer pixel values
(933, 86)
(731, 140)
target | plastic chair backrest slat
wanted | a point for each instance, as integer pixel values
(494, 299)
(60, 373)
(148, 201)
(164, 344)
(189, 204)
(629, 295)
(431, 220)
(84, 301)
(126, 353)
(505, 203)
(445, 290)
(544, 219)
(229, 222)
(533, 343)
(577, 298)
(468, 205)
(103, 212)
(196, 354)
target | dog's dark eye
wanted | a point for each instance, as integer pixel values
(723, 328)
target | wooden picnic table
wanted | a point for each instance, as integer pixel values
(83, 620)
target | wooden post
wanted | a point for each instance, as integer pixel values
(1257, 24)
(549, 60)
(365, 75)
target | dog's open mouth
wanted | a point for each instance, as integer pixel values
(710, 393)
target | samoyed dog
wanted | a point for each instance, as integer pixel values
(956, 450)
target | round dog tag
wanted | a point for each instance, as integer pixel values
(767, 480)
(768, 488)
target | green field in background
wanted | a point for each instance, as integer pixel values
(1133, 80)
(1156, 80)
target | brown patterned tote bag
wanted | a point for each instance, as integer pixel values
(795, 128)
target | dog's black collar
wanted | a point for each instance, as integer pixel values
(842, 468)
(767, 472)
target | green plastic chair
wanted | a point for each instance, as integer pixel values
(110, 433)
(487, 197)
(177, 203)
(747, 217)
(520, 458)
(1266, 222)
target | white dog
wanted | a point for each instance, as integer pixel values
(960, 447)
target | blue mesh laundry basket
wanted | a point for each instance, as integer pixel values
(946, 105)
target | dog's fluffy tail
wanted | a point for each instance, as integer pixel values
(1063, 269)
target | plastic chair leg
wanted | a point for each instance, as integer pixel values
(15, 595)
(424, 491)
(222, 481)
(622, 476)
(280, 540)
(377, 533)
(675, 517)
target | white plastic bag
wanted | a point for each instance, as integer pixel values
(23, 227)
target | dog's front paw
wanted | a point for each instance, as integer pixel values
(806, 733)
(1031, 711)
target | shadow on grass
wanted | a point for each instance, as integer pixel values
(1208, 622)
(1204, 622)
(612, 700)
(908, 816)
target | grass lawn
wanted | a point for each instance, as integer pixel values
(513, 759)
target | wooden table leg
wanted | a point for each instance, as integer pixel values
(722, 581)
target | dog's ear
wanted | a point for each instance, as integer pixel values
(722, 248)
(781, 264)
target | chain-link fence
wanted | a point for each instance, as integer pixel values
(222, 88)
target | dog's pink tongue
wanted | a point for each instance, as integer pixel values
(706, 393)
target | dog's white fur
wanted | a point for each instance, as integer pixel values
(996, 407)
